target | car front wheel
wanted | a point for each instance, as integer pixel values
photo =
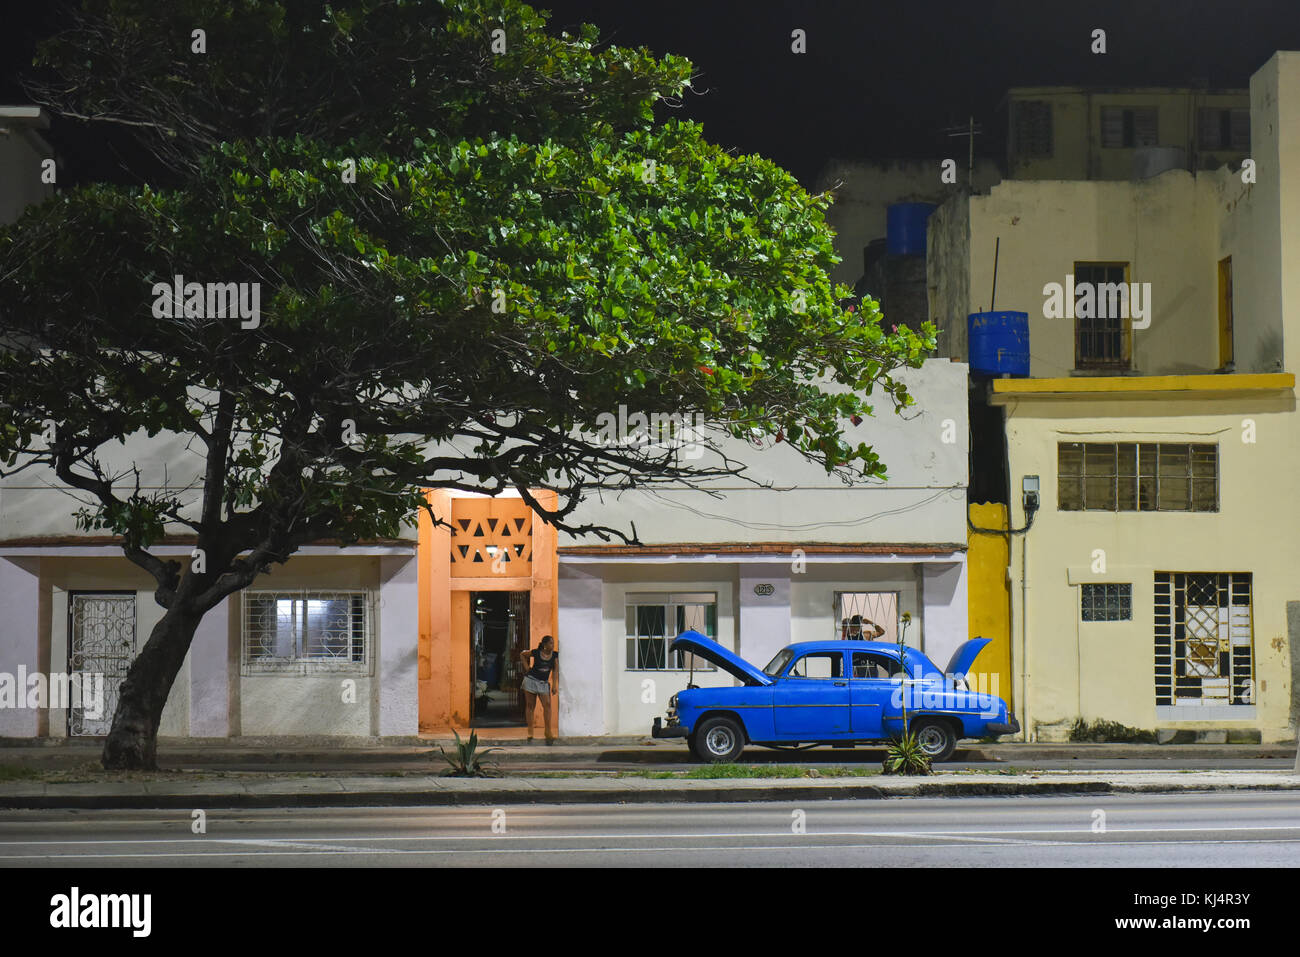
(718, 740)
(936, 737)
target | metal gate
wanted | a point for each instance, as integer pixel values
(101, 641)
(517, 640)
(1204, 639)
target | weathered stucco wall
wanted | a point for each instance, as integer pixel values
(924, 500)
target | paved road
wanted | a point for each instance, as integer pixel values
(1204, 830)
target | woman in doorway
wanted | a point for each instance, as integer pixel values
(541, 681)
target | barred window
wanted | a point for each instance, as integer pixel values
(1222, 129)
(654, 620)
(1108, 602)
(1101, 333)
(1137, 476)
(1033, 129)
(307, 632)
(1123, 126)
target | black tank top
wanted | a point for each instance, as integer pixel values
(541, 669)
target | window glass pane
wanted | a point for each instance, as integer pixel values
(867, 664)
(1069, 472)
(260, 612)
(1147, 460)
(287, 612)
(1099, 481)
(1204, 495)
(820, 665)
(778, 662)
(1108, 602)
(652, 652)
(1175, 488)
(328, 631)
(652, 627)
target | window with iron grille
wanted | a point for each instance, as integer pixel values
(1204, 639)
(654, 620)
(1223, 129)
(1101, 338)
(1137, 476)
(859, 615)
(307, 632)
(1108, 602)
(1128, 126)
(1033, 129)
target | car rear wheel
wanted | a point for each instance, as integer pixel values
(718, 740)
(937, 738)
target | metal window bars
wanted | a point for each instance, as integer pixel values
(307, 632)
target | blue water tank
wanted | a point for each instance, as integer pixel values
(905, 228)
(999, 343)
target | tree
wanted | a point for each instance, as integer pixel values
(462, 258)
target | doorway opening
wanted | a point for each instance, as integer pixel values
(498, 637)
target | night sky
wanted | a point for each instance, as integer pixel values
(880, 79)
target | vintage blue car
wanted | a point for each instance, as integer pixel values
(840, 693)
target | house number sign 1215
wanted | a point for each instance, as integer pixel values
(764, 589)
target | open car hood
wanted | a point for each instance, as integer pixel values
(965, 655)
(710, 650)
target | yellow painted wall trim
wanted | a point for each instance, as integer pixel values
(1103, 386)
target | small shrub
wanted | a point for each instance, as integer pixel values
(904, 756)
(1109, 732)
(467, 760)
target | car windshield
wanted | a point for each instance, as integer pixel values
(777, 664)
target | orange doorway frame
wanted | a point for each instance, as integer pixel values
(445, 596)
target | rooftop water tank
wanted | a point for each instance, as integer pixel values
(999, 343)
(905, 228)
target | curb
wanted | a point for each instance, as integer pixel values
(580, 795)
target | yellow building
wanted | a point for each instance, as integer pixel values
(1069, 133)
(1149, 457)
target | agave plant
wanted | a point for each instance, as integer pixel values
(467, 760)
(905, 756)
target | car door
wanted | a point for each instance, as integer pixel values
(811, 700)
(874, 694)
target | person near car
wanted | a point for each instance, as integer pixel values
(541, 683)
(855, 628)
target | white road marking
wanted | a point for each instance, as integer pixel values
(988, 834)
(617, 850)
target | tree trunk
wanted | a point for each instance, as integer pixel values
(132, 742)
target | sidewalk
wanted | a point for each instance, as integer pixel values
(324, 754)
(263, 791)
